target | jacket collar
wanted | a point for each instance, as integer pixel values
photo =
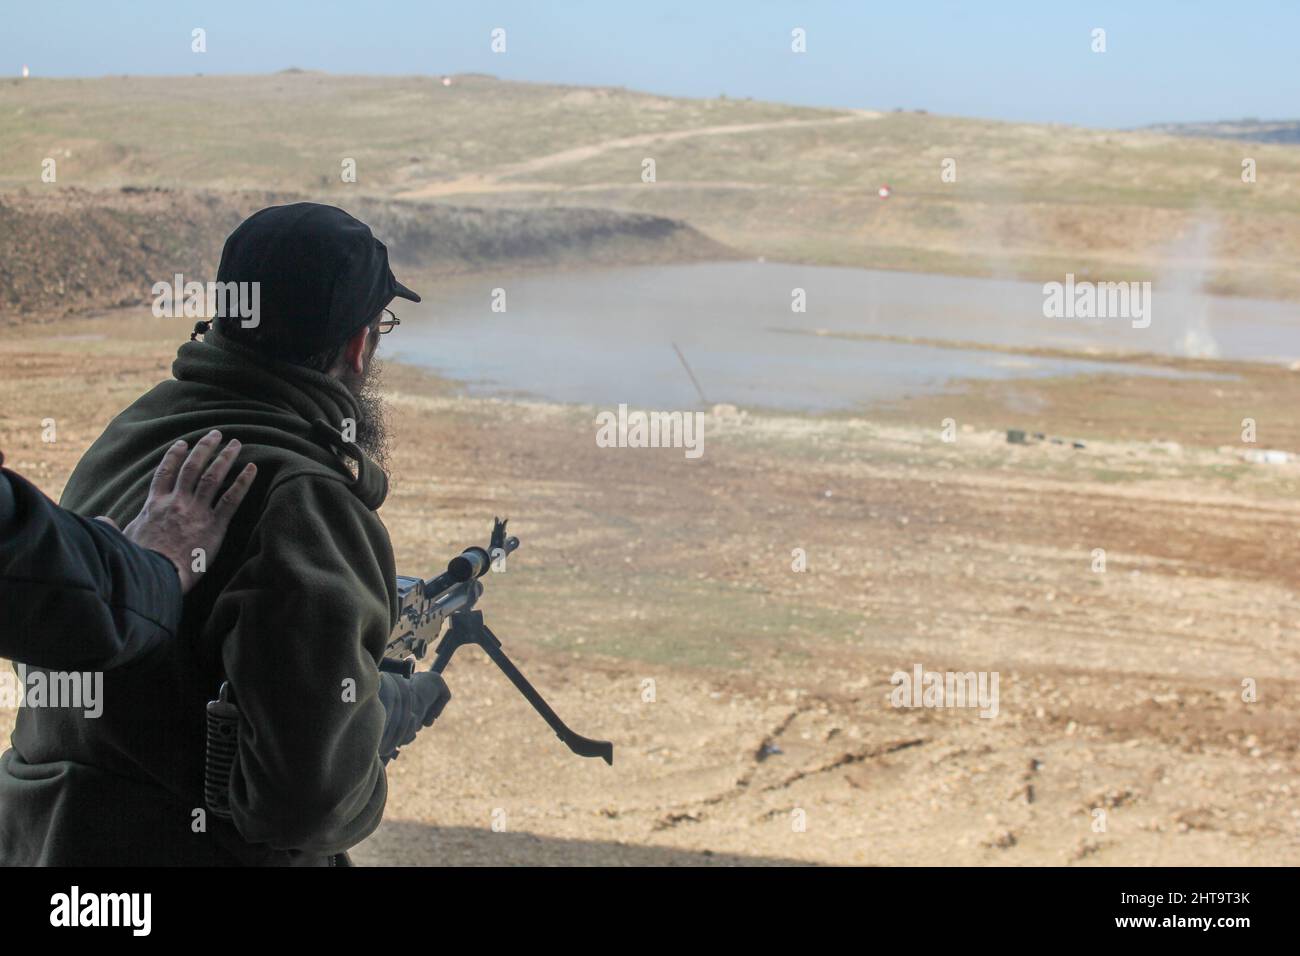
(220, 361)
(322, 402)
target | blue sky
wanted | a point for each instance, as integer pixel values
(1029, 61)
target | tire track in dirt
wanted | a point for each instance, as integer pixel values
(493, 181)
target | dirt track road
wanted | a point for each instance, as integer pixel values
(497, 180)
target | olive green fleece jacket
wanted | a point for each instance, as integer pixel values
(295, 613)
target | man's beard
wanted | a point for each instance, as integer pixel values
(372, 424)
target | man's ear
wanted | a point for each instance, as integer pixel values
(354, 352)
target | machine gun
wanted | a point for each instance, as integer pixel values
(423, 606)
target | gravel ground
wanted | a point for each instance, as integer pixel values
(654, 604)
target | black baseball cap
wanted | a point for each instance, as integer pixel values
(321, 276)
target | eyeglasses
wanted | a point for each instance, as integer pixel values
(388, 323)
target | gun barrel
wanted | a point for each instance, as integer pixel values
(451, 596)
(475, 562)
(448, 603)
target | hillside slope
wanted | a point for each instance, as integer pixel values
(70, 251)
(1259, 131)
(771, 180)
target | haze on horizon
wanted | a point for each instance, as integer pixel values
(1019, 61)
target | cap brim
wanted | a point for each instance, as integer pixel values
(402, 292)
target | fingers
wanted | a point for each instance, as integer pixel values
(108, 521)
(434, 695)
(200, 476)
(164, 476)
(228, 503)
(215, 476)
(197, 462)
(438, 707)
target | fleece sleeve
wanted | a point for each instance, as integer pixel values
(302, 625)
(74, 593)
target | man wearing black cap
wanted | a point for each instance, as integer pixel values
(294, 614)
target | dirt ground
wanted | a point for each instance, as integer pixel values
(654, 603)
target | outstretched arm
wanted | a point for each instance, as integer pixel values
(77, 594)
